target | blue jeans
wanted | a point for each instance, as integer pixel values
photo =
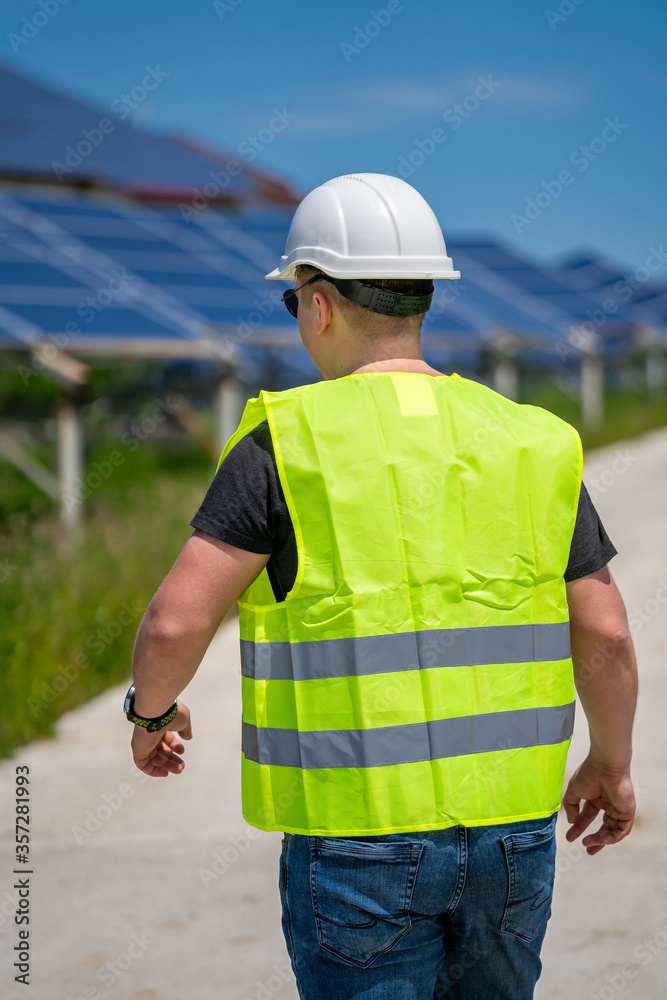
(457, 914)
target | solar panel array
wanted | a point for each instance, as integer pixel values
(111, 276)
(634, 292)
(590, 305)
(46, 135)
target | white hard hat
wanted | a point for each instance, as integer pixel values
(366, 226)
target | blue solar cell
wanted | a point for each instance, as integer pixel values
(532, 280)
(77, 206)
(114, 244)
(219, 295)
(110, 321)
(162, 278)
(34, 273)
(167, 260)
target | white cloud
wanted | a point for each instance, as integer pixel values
(538, 94)
(407, 96)
(333, 122)
(376, 105)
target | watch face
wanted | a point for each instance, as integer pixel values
(128, 699)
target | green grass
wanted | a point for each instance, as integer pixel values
(627, 414)
(71, 607)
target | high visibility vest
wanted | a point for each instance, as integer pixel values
(418, 674)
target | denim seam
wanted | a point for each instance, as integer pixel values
(463, 871)
(361, 850)
(288, 915)
(416, 851)
(511, 843)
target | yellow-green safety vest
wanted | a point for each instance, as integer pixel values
(418, 673)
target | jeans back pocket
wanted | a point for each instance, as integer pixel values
(531, 861)
(361, 894)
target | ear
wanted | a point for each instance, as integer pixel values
(325, 313)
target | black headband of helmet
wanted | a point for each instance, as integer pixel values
(381, 300)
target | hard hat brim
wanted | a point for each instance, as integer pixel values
(360, 267)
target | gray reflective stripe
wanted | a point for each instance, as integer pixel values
(527, 727)
(381, 654)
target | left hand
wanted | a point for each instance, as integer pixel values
(601, 789)
(156, 754)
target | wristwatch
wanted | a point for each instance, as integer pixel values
(150, 725)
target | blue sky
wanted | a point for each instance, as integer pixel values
(570, 89)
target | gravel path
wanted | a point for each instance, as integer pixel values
(146, 888)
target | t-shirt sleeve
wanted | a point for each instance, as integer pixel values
(245, 507)
(243, 504)
(591, 548)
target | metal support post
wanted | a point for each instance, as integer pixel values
(229, 405)
(505, 366)
(70, 462)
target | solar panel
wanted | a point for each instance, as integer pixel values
(636, 296)
(571, 304)
(47, 134)
(198, 280)
(114, 320)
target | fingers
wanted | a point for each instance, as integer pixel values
(582, 820)
(613, 829)
(161, 760)
(182, 722)
(611, 832)
(185, 734)
(571, 803)
(160, 765)
(171, 741)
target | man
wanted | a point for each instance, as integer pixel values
(406, 549)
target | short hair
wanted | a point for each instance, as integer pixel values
(365, 320)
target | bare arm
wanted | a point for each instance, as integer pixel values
(201, 587)
(605, 673)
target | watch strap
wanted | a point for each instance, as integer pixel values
(150, 725)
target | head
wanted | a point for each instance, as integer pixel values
(341, 336)
(356, 229)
